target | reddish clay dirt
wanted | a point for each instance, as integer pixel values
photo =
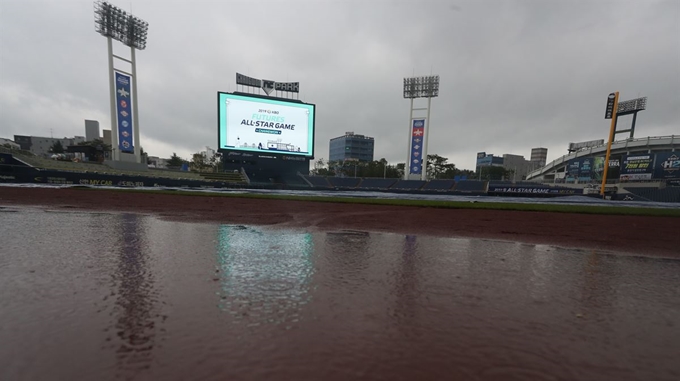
(652, 236)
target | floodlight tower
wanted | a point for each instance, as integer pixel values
(419, 128)
(114, 23)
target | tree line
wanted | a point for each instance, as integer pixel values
(437, 167)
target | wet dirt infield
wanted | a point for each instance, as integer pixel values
(641, 235)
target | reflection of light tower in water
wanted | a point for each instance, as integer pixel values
(134, 309)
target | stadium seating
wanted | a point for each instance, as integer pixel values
(408, 184)
(83, 167)
(318, 181)
(344, 182)
(372, 183)
(439, 185)
(656, 194)
(227, 177)
(295, 181)
(471, 186)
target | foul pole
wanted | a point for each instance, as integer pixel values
(610, 113)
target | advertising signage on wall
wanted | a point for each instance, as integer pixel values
(637, 167)
(572, 170)
(667, 165)
(587, 169)
(248, 123)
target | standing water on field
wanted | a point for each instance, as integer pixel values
(125, 296)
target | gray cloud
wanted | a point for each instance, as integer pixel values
(514, 74)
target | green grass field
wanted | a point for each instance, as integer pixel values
(553, 208)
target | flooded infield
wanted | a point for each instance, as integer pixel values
(127, 296)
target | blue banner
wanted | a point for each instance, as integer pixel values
(585, 170)
(124, 107)
(417, 134)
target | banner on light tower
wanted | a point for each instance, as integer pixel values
(417, 140)
(124, 113)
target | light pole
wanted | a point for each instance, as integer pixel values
(419, 127)
(116, 24)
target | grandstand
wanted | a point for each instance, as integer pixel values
(26, 167)
(344, 182)
(555, 170)
(396, 185)
(317, 181)
(376, 184)
(42, 164)
(409, 184)
(471, 186)
(439, 185)
(671, 194)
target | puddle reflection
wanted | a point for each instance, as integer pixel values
(86, 296)
(135, 324)
(265, 275)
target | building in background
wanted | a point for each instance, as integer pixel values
(9, 144)
(539, 156)
(106, 136)
(42, 146)
(351, 146)
(488, 160)
(91, 130)
(519, 166)
(157, 162)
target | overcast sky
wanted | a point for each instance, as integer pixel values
(514, 74)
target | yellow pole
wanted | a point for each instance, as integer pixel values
(612, 129)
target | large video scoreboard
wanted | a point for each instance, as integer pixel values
(251, 123)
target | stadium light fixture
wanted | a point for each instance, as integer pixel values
(629, 107)
(632, 106)
(116, 24)
(419, 87)
(111, 21)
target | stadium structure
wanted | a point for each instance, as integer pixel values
(646, 169)
(572, 174)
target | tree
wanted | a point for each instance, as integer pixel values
(175, 161)
(494, 173)
(321, 168)
(401, 169)
(198, 162)
(99, 150)
(57, 147)
(438, 168)
(216, 161)
(98, 144)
